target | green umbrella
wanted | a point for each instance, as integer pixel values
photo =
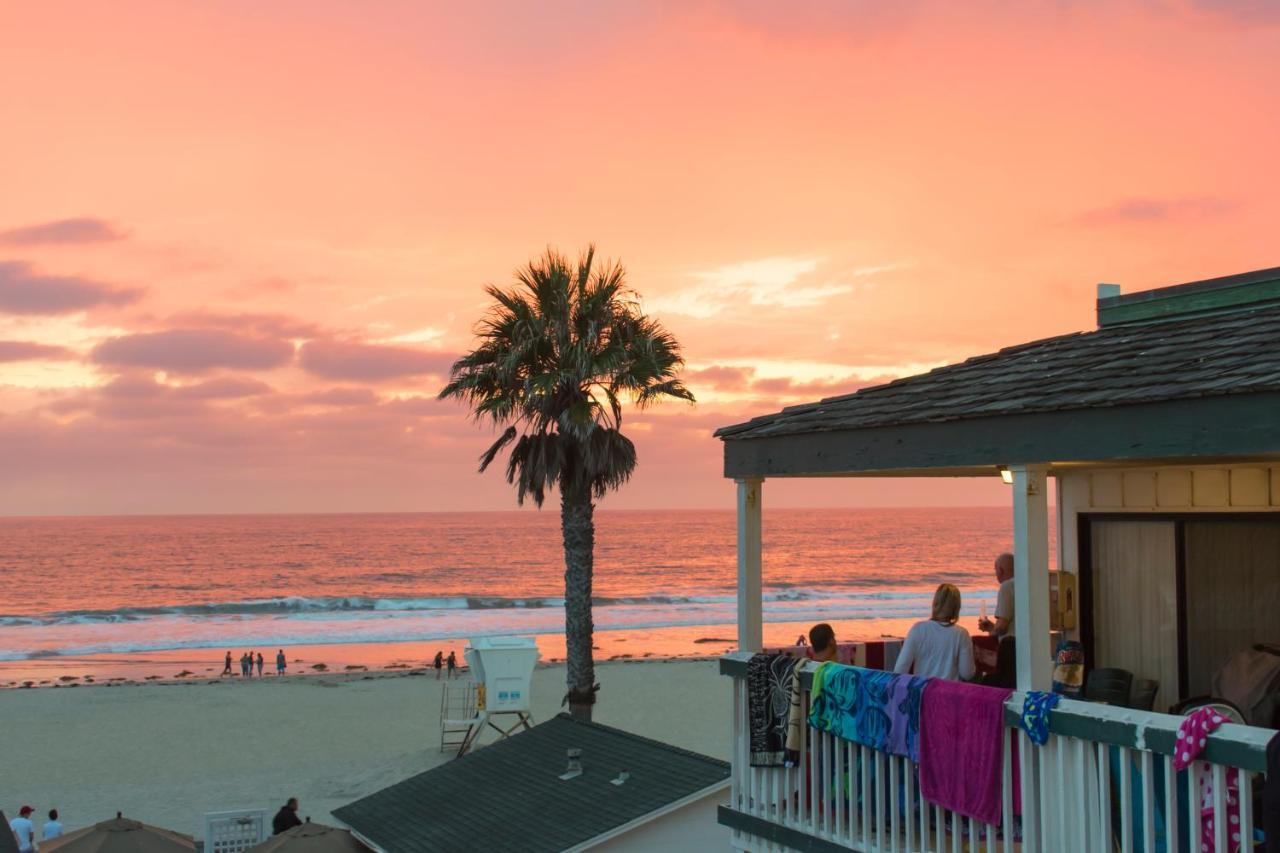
(121, 835)
(312, 838)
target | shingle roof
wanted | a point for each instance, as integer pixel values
(507, 796)
(7, 842)
(1236, 352)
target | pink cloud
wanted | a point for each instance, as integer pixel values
(224, 388)
(268, 325)
(720, 378)
(341, 397)
(63, 232)
(1151, 210)
(352, 361)
(30, 351)
(23, 291)
(194, 351)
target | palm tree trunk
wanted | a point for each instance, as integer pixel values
(578, 527)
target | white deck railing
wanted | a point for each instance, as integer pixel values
(1103, 781)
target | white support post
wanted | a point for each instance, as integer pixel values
(1031, 576)
(750, 597)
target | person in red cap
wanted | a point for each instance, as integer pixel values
(24, 830)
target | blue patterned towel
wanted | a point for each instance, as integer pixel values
(1035, 715)
(876, 709)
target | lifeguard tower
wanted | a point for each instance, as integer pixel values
(501, 676)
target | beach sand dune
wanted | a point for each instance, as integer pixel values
(166, 753)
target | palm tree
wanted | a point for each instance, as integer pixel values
(557, 357)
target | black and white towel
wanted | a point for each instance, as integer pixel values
(769, 707)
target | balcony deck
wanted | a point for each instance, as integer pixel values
(1103, 781)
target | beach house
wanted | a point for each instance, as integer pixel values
(562, 785)
(1158, 436)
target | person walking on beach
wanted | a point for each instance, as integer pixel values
(439, 664)
(453, 663)
(1002, 626)
(52, 827)
(259, 664)
(245, 666)
(286, 818)
(24, 830)
(938, 647)
(227, 669)
(280, 662)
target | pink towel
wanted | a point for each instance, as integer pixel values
(961, 727)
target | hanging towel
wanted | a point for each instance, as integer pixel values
(796, 714)
(961, 747)
(768, 706)
(1193, 734)
(1035, 715)
(876, 709)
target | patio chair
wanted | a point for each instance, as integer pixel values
(1143, 697)
(1110, 685)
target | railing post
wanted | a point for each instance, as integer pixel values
(1031, 575)
(750, 596)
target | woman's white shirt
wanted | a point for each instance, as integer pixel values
(937, 650)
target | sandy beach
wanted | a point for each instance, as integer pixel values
(166, 753)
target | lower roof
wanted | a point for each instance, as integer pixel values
(508, 796)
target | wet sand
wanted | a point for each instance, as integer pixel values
(687, 642)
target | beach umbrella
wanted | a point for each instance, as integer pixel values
(312, 838)
(121, 835)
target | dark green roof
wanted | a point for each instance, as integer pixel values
(507, 795)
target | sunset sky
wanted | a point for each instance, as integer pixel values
(240, 243)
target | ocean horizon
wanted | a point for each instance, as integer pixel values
(119, 586)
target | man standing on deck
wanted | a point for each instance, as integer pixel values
(1002, 626)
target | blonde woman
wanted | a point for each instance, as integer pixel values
(938, 647)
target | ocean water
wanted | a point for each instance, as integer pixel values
(77, 587)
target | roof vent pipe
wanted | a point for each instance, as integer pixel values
(575, 765)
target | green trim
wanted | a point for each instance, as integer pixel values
(792, 839)
(1193, 431)
(1200, 297)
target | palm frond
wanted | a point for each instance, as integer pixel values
(555, 357)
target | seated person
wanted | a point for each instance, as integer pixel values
(822, 640)
(938, 647)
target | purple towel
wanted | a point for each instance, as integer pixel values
(961, 731)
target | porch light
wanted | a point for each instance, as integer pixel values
(1005, 474)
